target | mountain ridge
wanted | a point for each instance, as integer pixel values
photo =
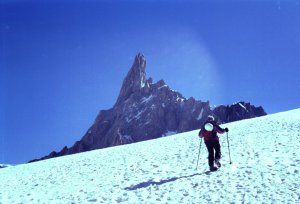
(145, 110)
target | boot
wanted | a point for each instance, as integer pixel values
(213, 168)
(217, 162)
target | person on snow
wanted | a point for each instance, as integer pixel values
(209, 132)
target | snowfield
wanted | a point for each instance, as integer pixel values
(265, 169)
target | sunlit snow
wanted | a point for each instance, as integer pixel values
(168, 133)
(200, 114)
(147, 99)
(265, 169)
(242, 106)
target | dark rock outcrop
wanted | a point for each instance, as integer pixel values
(237, 111)
(146, 111)
(4, 166)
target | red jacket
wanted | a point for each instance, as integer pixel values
(211, 135)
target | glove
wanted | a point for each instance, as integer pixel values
(226, 130)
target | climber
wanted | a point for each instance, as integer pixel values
(209, 132)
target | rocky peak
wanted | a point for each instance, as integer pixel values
(145, 110)
(135, 79)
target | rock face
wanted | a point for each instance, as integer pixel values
(146, 110)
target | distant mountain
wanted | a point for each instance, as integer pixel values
(145, 110)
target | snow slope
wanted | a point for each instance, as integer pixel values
(265, 169)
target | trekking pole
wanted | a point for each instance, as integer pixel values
(228, 149)
(199, 152)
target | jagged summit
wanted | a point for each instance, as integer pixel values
(145, 110)
(135, 79)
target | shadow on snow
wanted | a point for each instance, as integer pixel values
(150, 182)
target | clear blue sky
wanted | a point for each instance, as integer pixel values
(61, 62)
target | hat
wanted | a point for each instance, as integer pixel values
(210, 118)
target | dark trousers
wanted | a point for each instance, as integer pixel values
(214, 151)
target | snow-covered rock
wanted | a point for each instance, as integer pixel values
(265, 169)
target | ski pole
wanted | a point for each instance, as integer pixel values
(228, 149)
(199, 152)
